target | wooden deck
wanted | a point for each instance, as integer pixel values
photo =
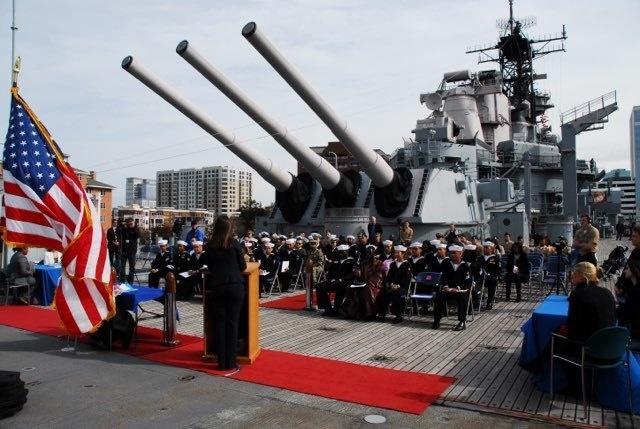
(483, 358)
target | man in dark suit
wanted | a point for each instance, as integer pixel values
(21, 273)
(374, 227)
(113, 242)
(339, 277)
(130, 236)
(287, 255)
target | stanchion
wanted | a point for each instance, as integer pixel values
(309, 292)
(169, 326)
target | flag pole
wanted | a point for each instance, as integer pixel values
(15, 63)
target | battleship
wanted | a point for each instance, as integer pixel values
(484, 158)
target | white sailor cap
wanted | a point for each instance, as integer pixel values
(290, 240)
(270, 245)
(197, 243)
(162, 242)
(344, 247)
(469, 247)
(333, 238)
(315, 235)
(488, 244)
(371, 246)
(282, 237)
(255, 240)
(435, 242)
(351, 237)
(416, 244)
(264, 234)
(387, 243)
(265, 239)
(455, 248)
(399, 249)
(181, 243)
(441, 246)
(245, 244)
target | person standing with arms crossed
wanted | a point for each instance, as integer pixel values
(225, 262)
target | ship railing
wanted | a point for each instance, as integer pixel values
(536, 160)
(588, 107)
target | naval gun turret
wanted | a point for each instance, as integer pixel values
(292, 193)
(340, 189)
(392, 188)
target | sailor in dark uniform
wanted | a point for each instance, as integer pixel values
(456, 281)
(397, 286)
(436, 264)
(387, 250)
(353, 247)
(417, 262)
(268, 267)
(180, 262)
(161, 265)
(288, 255)
(471, 257)
(339, 278)
(491, 271)
(193, 283)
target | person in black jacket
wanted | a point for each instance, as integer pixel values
(225, 279)
(591, 308)
(491, 270)
(161, 265)
(129, 249)
(517, 271)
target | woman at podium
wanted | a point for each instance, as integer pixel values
(226, 263)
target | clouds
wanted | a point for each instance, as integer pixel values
(370, 60)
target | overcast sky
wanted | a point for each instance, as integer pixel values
(369, 59)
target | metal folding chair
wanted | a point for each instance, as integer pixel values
(423, 289)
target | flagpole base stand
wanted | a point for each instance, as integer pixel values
(171, 343)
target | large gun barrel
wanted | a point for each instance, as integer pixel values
(392, 187)
(287, 186)
(340, 190)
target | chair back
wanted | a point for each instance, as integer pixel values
(428, 278)
(608, 343)
(536, 260)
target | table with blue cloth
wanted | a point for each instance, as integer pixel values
(610, 385)
(48, 277)
(131, 299)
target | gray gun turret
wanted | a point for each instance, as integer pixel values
(392, 188)
(340, 189)
(295, 191)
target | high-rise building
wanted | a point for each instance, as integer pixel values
(634, 125)
(222, 189)
(141, 192)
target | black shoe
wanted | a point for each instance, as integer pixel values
(518, 299)
(489, 306)
(326, 313)
(507, 299)
(381, 318)
(461, 327)
(396, 320)
(236, 370)
(435, 325)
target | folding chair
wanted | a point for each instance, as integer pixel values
(273, 281)
(536, 273)
(4, 283)
(478, 289)
(425, 287)
(605, 349)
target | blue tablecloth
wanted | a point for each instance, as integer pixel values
(131, 299)
(48, 277)
(610, 385)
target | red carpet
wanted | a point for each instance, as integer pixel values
(293, 302)
(373, 386)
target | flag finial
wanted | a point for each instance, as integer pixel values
(16, 70)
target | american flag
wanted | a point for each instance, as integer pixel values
(45, 205)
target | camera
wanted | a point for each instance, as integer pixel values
(560, 244)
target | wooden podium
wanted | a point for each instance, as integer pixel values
(249, 329)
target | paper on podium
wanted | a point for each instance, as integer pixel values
(359, 284)
(184, 274)
(285, 266)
